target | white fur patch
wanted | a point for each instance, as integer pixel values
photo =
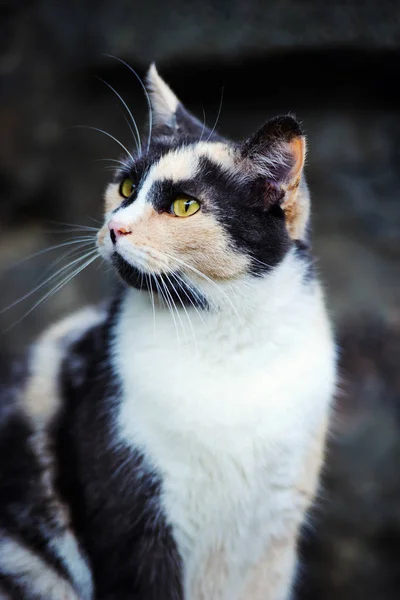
(221, 154)
(66, 547)
(29, 570)
(163, 100)
(176, 165)
(41, 399)
(228, 417)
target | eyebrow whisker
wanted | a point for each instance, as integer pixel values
(108, 135)
(218, 115)
(137, 136)
(145, 92)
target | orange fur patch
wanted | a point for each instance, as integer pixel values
(101, 234)
(198, 241)
(211, 576)
(296, 204)
(273, 573)
(271, 578)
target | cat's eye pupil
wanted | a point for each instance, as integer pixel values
(184, 207)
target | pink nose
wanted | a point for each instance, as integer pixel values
(117, 229)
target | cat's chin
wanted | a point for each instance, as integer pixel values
(133, 276)
(169, 288)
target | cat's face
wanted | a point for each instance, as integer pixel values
(194, 209)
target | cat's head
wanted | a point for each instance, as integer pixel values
(192, 209)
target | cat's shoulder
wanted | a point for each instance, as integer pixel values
(30, 383)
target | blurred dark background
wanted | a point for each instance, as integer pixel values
(336, 66)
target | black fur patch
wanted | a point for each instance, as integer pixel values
(138, 168)
(10, 587)
(113, 493)
(255, 226)
(27, 513)
(171, 288)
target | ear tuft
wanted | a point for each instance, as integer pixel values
(163, 101)
(283, 127)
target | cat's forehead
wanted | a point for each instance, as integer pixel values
(155, 173)
(183, 163)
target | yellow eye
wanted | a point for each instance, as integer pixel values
(185, 207)
(127, 188)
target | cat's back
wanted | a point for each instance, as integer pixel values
(39, 554)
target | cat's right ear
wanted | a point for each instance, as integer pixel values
(276, 153)
(170, 117)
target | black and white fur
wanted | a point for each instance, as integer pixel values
(166, 447)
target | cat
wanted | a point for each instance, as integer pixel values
(167, 445)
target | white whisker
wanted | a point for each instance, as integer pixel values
(184, 307)
(56, 289)
(70, 253)
(182, 283)
(142, 254)
(50, 249)
(145, 91)
(150, 277)
(76, 226)
(141, 280)
(109, 135)
(45, 282)
(161, 294)
(199, 273)
(139, 148)
(173, 301)
(137, 136)
(96, 220)
(218, 115)
(114, 160)
(260, 262)
(204, 124)
(170, 307)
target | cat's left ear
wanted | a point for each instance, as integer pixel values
(276, 153)
(170, 117)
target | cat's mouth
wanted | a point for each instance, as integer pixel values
(140, 259)
(131, 274)
(171, 288)
(148, 270)
(132, 263)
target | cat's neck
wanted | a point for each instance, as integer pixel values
(243, 311)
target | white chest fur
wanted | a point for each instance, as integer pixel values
(228, 413)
